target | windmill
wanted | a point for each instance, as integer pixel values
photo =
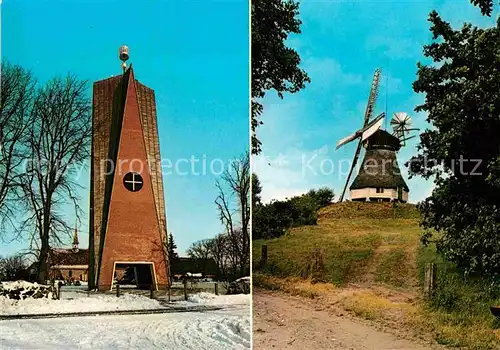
(379, 177)
(367, 129)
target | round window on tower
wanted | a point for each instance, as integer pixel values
(133, 182)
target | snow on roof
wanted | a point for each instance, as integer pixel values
(69, 257)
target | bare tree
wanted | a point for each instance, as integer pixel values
(226, 212)
(13, 268)
(234, 199)
(201, 250)
(235, 253)
(219, 252)
(16, 97)
(58, 141)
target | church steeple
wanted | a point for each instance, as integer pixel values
(75, 240)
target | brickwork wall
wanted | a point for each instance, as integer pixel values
(103, 94)
(136, 221)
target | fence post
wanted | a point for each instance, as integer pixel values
(216, 288)
(429, 280)
(151, 291)
(117, 290)
(185, 290)
(58, 292)
(263, 257)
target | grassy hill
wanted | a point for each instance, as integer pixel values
(376, 248)
(353, 242)
(369, 210)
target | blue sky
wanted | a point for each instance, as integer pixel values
(194, 54)
(341, 45)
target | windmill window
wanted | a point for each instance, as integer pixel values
(380, 190)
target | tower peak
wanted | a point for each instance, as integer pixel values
(123, 54)
(75, 240)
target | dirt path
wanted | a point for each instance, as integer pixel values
(281, 321)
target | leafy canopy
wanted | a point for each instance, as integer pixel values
(273, 219)
(462, 150)
(256, 190)
(486, 6)
(274, 65)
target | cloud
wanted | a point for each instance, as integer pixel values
(395, 47)
(341, 110)
(320, 11)
(325, 71)
(391, 85)
(287, 174)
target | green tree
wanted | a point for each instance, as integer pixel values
(322, 197)
(273, 219)
(256, 191)
(172, 253)
(462, 150)
(274, 65)
(486, 6)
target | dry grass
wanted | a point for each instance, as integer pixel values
(293, 286)
(368, 305)
(349, 249)
(371, 210)
(477, 334)
(370, 264)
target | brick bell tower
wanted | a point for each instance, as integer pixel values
(127, 209)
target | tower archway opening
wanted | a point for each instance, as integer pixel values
(135, 275)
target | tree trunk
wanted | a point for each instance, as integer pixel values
(42, 262)
(44, 250)
(244, 229)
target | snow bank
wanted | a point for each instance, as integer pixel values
(82, 304)
(21, 290)
(219, 300)
(240, 286)
(20, 284)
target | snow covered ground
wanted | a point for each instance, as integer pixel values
(216, 300)
(223, 329)
(228, 328)
(84, 303)
(80, 302)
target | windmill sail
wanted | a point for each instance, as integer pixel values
(372, 127)
(372, 98)
(365, 132)
(370, 107)
(347, 139)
